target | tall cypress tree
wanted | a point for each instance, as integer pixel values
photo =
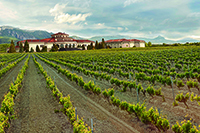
(96, 44)
(26, 46)
(37, 49)
(12, 47)
(20, 47)
(103, 44)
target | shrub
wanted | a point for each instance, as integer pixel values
(150, 90)
(181, 98)
(180, 83)
(124, 105)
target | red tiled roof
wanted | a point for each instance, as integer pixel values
(60, 33)
(53, 40)
(124, 40)
(84, 41)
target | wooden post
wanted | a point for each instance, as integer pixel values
(137, 95)
(172, 88)
(76, 113)
(92, 125)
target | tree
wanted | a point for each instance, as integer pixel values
(32, 50)
(83, 47)
(90, 47)
(12, 47)
(54, 48)
(20, 47)
(5, 46)
(96, 44)
(146, 45)
(99, 46)
(37, 49)
(26, 46)
(149, 44)
(103, 44)
(164, 44)
(44, 49)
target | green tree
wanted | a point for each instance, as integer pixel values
(32, 50)
(149, 44)
(96, 44)
(83, 47)
(54, 48)
(164, 44)
(103, 44)
(20, 47)
(5, 46)
(12, 47)
(26, 46)
(37, 49)
(146, 45)
(44, 49)
(99, 46)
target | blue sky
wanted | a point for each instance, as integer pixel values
(173, 19)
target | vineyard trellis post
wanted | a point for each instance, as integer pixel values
(76, 113)
(172, 88)
(137, 95)
(92, 125)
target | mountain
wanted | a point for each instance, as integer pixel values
(77, 38)
(157, 40)
(99, 38)
(8, 33)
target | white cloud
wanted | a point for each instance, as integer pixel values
(86, 23)
(119, 28)
(128, 2)
(194, 14)
(58, 9)
(6, 13)
(61, 17)
(100, 26)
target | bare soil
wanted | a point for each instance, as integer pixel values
(173, 113)
(7, 79)
(35, 106)
(104, 122)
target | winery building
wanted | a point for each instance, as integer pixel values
(62, 40)
(125, 43)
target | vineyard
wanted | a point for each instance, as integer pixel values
(142, 90)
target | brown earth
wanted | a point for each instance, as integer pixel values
(7, 78)
(173, 114)
(35, 106)
(104, 122)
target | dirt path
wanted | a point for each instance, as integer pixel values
(35, 107)
(104, 120)
(8, 78)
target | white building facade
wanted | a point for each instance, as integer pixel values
(125, 43)
(62, 40)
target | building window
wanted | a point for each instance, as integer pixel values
(41, 46)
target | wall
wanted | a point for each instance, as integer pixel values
(142, 44)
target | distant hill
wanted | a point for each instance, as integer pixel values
(157, 40)
(77, 38)
(9, 33)
(5, 39)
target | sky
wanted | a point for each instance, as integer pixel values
(172, 19)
